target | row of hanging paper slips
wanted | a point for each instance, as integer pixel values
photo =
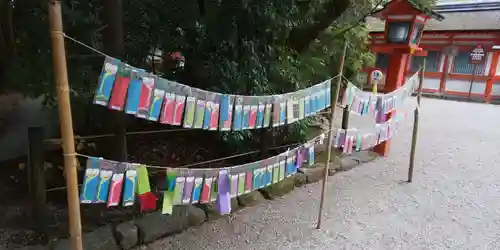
(114, 183)
(125, 88)
(366, 103)
(352, 139)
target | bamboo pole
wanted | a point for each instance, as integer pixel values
(415, 123)
(66, 123)
(335, 97)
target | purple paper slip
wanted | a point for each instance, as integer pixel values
(300, 157)
(188, 189)
(223, 197)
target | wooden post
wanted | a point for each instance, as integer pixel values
(415, 123)
(66, 123)
(335, 94)
(36, 174)
(345, 117)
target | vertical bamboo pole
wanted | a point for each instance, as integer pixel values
(68, 140)
(415, 123)
(335, 97)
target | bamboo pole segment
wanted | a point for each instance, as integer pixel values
(415, 123)
(66, 123)
(335, 97)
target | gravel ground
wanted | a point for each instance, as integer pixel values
(453, 203)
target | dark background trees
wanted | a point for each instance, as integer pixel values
(241, 47)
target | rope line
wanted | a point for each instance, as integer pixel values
(85, 45)
(58, 140)
(213, 160)
(198, 163)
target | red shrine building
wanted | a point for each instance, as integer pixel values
(467, 27)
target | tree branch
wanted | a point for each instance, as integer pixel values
(300, 38)
(361, 20)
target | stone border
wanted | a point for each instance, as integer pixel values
(154, 226)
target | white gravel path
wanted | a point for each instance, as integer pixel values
(453, 203)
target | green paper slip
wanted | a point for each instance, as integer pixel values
(301, 108)
(276, 173)
(179, 188)
(267, 115)
(282, 170)
(213, 190)
(199, 114)
(241, 183)
(167, 202)
(189, 116)
(142, 180)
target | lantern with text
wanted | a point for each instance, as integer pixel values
(404, 26)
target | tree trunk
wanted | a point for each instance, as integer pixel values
(7, 41)
(300, 38)
(113, 46)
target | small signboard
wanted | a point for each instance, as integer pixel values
(477, 55)
(377, 75)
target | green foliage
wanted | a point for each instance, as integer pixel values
(237, 46)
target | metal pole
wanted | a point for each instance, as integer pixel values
(415, 123)
(335, 94)
(472, 80)
(66, 123)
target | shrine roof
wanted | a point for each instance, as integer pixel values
(453, 21)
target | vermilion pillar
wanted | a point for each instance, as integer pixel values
(395, 76)
(491, 75)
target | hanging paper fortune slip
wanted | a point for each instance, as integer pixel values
(252, 120)
(267, 115)
(206, 190)
(195, 197)
(238, 114)
(134, 92)
(214, 116)
(168, 195)
(276, 113)
(106, 81)
(180, 101)
(179, 189)
(233, 185)
(248, 182)
(199, 114)
(156, 104)
(167, 116)
(146, 197)
(103, 187)
(145, 97)
(129, 188)
(241, 183)
(207, 116)
(226, 111)
(89, 186)
(223, 197)
(115, 190)
(190, 111)
(246, 113)
(188, 190)
(122, 82)
(259, 120)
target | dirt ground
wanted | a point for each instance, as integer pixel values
(453, 202)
